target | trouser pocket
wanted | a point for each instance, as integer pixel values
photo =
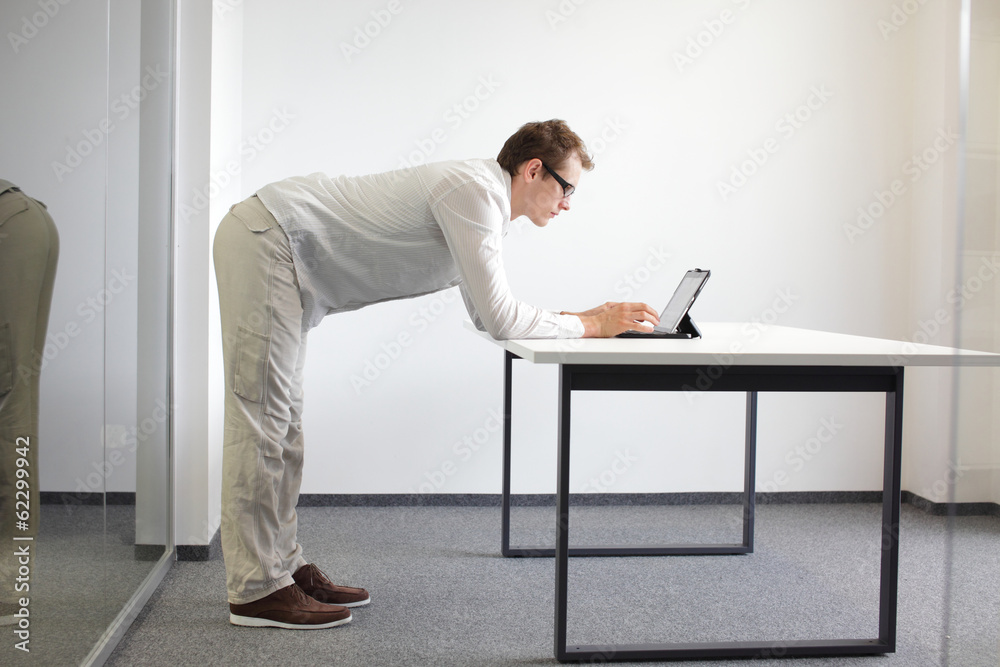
(250, 370)
(252, 213)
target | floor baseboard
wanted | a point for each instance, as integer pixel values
(213, 550)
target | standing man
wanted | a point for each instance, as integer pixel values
(307, 247)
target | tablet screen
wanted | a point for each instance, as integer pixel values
(682, 299)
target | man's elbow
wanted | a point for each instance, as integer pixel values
(500, 330)
(498, 333)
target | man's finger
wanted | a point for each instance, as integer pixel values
(647, 313)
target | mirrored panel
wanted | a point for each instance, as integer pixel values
(84, 321)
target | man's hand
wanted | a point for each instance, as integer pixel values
(611, 319)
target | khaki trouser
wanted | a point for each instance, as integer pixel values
(264, 352)
(29, 250)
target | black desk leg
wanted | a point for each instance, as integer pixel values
(562, 511)
(508, 359)
(889, 579)
(750, 472)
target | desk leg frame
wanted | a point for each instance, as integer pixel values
(746, 546)
(886, 641)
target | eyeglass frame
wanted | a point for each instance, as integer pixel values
(568, 188)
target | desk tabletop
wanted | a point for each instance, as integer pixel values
(743, 344)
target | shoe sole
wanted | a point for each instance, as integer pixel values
(252, 622)
(359, 603)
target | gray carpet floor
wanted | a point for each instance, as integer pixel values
(85, 570)
(442, 594)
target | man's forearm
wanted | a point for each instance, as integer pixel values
(591, 325)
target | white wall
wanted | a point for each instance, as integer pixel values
(224, 189)
(428, 84)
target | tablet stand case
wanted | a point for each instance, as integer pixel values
(686, 329)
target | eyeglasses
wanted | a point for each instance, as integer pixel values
(568, 188)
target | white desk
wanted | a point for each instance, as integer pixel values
(748, 345)
(729, 357)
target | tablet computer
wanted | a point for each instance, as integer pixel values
(675, 322)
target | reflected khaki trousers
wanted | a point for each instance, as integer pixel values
(264, 352)
(29, 250)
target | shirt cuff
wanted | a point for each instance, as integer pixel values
(569, 326)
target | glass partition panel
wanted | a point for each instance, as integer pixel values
(972, 606)
(84, 321)
(52, 258)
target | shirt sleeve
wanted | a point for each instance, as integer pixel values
(471, 219)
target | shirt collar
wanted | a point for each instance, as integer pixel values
(506, 182)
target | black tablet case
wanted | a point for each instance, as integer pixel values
(686, 329)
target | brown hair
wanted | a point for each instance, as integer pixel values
(551, 141)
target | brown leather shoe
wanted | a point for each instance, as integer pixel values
(289, 608)
(318, 586)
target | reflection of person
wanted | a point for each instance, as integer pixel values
(307, 247)
(29, 248)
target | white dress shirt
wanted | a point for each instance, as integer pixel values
(364, 239)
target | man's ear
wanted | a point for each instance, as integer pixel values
(531, 169)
